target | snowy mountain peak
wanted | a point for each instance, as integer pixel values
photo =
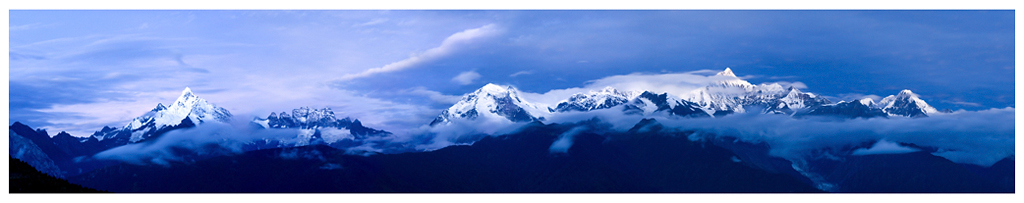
(605, 98)
(867, 101)
(610, 90)
(794, 91)
(733, 95)
(187, 92)
(159, 107)
(493, 102)
(727, 72)
(731, 81)
(187, 106)
(494, 89)
(906, 103)
(793, 101)
(906, 92)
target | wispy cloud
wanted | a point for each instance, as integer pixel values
(215, 138)
(20, 56)
(565, 140)
(521, 73)
(884, 147)
(371, 22)
(855, 96)
(785, 84)
(448, 46)
(466, 78)
(972, 137)
(963, 103)
(434, 95)
(14, 28)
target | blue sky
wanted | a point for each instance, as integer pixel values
(80, 70)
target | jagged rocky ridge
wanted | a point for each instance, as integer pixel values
(633, 102)
(316, 126)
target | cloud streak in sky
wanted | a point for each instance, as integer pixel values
(448, 46)
(466, 78)
(435, 96)
(372, 22)
(520, 73)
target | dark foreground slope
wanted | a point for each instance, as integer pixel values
(917, 172)
(519, 162)
(26, 179)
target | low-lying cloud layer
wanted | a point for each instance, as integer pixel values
(207, 138)
(884, 147)
(565, 140)
(972, 137)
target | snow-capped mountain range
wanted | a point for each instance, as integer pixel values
(189, 110)
(504, 104)
(731, 95)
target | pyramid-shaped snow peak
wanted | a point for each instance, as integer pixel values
(726, 72)
(730, 81)
(907, 104)
(734, 95)
(187, 110)
(491, 102)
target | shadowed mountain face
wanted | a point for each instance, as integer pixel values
(519, 162)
